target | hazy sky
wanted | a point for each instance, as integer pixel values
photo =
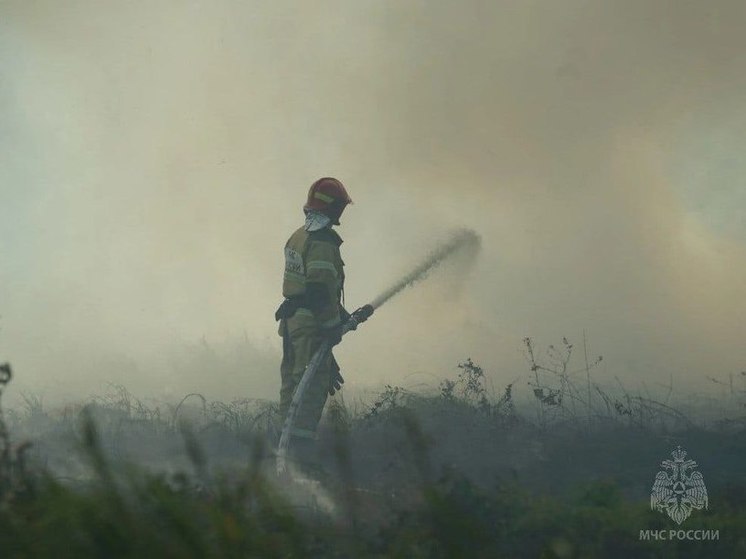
(155, 155)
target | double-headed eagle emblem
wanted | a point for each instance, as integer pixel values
(678, 489)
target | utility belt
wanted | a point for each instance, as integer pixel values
(289, 306)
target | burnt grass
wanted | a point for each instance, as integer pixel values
(457, 472)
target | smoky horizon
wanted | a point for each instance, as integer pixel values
(155, 157)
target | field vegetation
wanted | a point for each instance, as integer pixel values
(459, 470)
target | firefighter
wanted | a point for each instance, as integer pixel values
(313, 311)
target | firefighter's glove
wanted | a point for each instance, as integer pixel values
(363, 313)
(344, 315)
(347, 321)
(336, 384)
(333, 335)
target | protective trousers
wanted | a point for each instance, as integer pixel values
(302, 337)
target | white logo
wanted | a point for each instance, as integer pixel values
(676, 490)
(293, 261)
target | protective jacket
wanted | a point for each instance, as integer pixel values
(314, 275)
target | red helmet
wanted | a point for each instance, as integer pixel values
(328, 196)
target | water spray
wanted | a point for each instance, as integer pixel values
(461, 240)
(464, 238)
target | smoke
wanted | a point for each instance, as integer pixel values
(154, 158)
